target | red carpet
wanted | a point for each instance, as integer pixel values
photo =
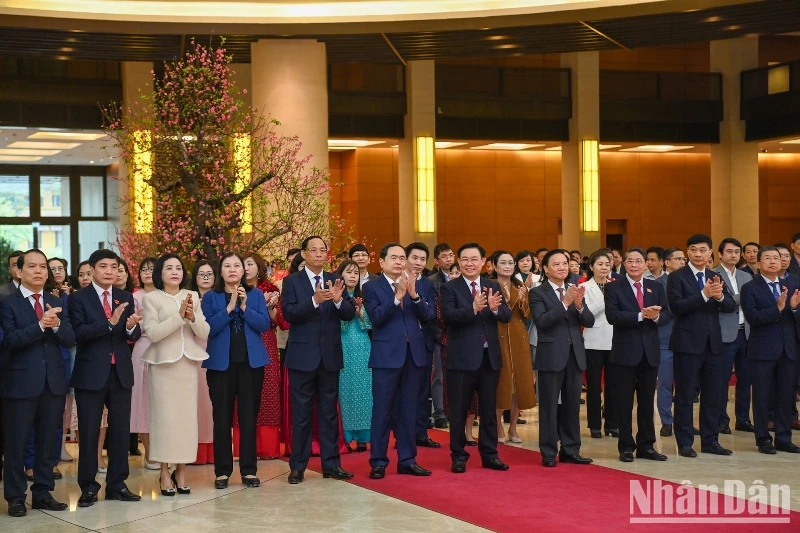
(530, 497)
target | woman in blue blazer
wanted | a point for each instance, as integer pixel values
(237, 315)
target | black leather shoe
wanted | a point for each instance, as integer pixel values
(789, 448)
(87, 499)
(50, 504)
(696, 398)
(337, 473)
(296, 477)
(695, 431)
(574, 459)
(725, 429)
(17, 509)
(251, 482)
(716, 449)
(666, 430)
(549, 462)
(440, 423)
(135, 452)
(57, 474)
(428, 442)
(361, 448)
(767, 448)
(494, 463)
(613, 432)
(687, 451)
(583, 402)
(377, 472)
(221, 483)
(745, 426)
(650, 454)
(521, 421)
(123, 495)
(596, 433)
(458, 467)
(471, 443)
(413, 470)
(626, 456)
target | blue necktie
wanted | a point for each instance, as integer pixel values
(700, 283)
(316, 282)
(775, 292)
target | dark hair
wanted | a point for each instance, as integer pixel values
(304, 246)
(342, 267)
(667, 255)
(439, 248)
(540, 250)
(129, 281)
(292, 251)
(76, 282)
(522, 254)
(795, 238)
(99, 255)
(469, 245)
(768, 249)
(196, 270)
(146, 261)
(360, 247)
(659, 251)
(21, 258)
(261, 265)
(602, 253)
(636, 250)
(14, 255)
(219, 282)
(751, 243)
(385, 248)
(514, 280)
(66, 268)
(456, 266)
(418, 246)
(729, 240)
(551, 253)
(700, 238)
(294, 266)
(158, 281)
(575, 252)
(776, 245)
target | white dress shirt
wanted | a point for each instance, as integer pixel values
(694, 273)
(556, 287)
(28, 295)
(734, 289)
(100, 290)
(631, 281)
(313, 282)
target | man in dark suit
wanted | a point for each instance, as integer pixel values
(314, 302)
(398, 359)
(11, 287)
(471, 307)
(104, 319)
(33, 383)
(558, 313)
(770, 305)
(673, 260)
(750, 256)
(443, 258)
(696, 297)
(794, 265)
(636, 307)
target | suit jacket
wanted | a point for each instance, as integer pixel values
(794, 266)
(33, 356)
(696, 320)
(395, 327)
(437, 280)
(746, 268)
(558, 329)
(96, 340)
(634, 339)
(729, 322)
(597, 337)
(7, 289)
(172, 337)
(466, 330)
(256, 321)
(771, 331)
(665, 329)
(315, 335)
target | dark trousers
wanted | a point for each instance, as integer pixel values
(304, 387)
(43, 414)
(560, 422)
(30, 452)
(735, 355)
(777, 375)
(423, 403)
(689, 368)
(627, 380)
(596, 360)
(395, 390)
(238, 384)
(90, 412)
(461, 384)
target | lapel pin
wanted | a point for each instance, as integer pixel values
(650, 291)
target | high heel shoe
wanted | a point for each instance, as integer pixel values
(181, 490)
(166, 492)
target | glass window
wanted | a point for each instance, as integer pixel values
(15, 196)
(54, 240)
(92, 196)
(54, 195)
(93, 235)
(17, 237)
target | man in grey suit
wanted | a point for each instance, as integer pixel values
(735, 332)
(11, 287)
(559, 312)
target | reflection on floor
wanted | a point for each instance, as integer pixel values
(328, 506)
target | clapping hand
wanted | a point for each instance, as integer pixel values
(651, 313)
(569, 295)
(782, 298)
(713, 288)
(494, 300)
(272, 299)
(241, 293)
(336, 289)
(359, 302)
(412, 286)
(522, 291)
(134, 319)
(402, 287)
(479, 303)
(795, 300)
(50, 317)
(187, 308)
(117, 314)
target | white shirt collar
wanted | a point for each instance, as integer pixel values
(27, 293)
(695, 271)
(100, 290)
(390, 280)
(311, 277)
(777, 279)
(631, 281)
(469, 283)
(556, 287)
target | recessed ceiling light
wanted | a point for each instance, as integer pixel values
(19, 158)
(67, 136)
(91, 162)
(712, 19)
(506, 46)
(553, 149)
(656, 148)
(497, 37)
(790, 141)
(22, 151)
(351, 143)
(506, 146)
(50, 145)
(66, 49)
(734, 27)
(608, 146)
(445, 144)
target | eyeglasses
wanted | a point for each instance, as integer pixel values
(681, 259)
(470, 260)
(205, 275)
(57, 269)
(447, 256)
(360, 255)
(634, 261)
(316, 251)
(146, 270)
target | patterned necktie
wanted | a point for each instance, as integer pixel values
(775, 292)
(639, 295)
(107, 309)
(475, 293)
(394, 286)
(561, 293)
(37, 306)
(700, 283)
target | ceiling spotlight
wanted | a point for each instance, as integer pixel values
(712, 19)
(497, 37)
(505, 46)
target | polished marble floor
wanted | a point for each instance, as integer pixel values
(329, 506)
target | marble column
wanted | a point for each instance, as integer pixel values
(734, 162)
(420, 121)
(584, 125)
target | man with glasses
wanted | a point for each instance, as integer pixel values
(673, 260)
(784, 273)
(360, 254)
(443, 259)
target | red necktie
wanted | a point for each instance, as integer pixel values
(639, 294)
(475, 293)
(37, 306)
(107, 309)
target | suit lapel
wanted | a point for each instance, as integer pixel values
(385, 286)
(97, 300)
(551, 292)
(306, 283)
(764, 286)
(26, 305)
(628, 290)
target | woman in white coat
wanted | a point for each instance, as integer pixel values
(173, 320)
(597, 341)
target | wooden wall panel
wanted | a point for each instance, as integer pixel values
(693, 57)
(779, 191)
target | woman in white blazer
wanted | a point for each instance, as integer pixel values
(173, 319)
(597, 341)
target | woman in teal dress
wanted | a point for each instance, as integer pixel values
(355, 379)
